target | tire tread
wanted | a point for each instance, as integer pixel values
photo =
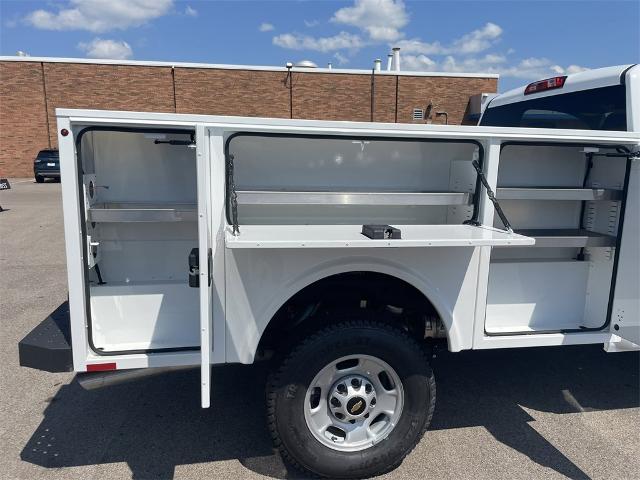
(274, 382)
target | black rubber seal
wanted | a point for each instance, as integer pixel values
(83, 228)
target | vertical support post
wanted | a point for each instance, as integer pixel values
(487, 212)
(204, 242)
(218, 223)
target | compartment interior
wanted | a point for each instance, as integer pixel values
(139, 192)
(568, 197)
(306, 180)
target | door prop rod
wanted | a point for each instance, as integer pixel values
(492, 197)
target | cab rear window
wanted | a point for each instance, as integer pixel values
(596, 109)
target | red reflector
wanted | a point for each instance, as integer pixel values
(101, 367)
(547, 84)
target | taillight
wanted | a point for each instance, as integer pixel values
(547, 84)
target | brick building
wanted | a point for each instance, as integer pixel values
(32, 88)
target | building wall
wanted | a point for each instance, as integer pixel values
(23, 118)
(31, 91)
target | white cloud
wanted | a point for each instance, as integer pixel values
(478, 40)
(266, 27)
(473, 42)
(341, 41)
(533, 68)
(311, 23)
(380, 19)
(568, 70)
(417, 46)
(99, 15)
(418, 62)
(342, 60)
(111, 49)
(189, 11)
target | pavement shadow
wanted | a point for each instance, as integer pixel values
(489, 389)
(156, 424)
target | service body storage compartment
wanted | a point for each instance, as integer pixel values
(568, 198)
(139, 198)
(197, 240)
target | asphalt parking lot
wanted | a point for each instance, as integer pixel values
(571, 412)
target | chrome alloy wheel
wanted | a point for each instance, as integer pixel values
(353, 403)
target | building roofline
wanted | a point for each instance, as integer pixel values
(144, 63)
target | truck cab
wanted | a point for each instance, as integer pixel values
(599, 99)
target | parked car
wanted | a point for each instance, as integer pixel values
(47, 165)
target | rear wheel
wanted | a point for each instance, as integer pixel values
(39, 179)
(352, 400)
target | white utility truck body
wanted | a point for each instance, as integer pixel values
(275, 209)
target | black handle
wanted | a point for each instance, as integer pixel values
(194, 267)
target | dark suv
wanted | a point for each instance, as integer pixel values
(47, 165)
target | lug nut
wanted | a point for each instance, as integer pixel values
(373, 401)
(368, 388)
(335, 402)
(342, 388)
(355, 383)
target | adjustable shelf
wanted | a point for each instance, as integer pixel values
(350, 236)
(273, 197)
(568, 238)
(557, 193)
(142, 212)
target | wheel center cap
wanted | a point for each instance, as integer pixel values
(356, 406)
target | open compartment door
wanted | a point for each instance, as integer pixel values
(625, 321)
(204, 263)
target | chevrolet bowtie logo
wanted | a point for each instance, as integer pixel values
(356, 406)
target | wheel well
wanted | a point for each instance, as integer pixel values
(355, 292)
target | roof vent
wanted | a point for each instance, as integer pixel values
(418, 114)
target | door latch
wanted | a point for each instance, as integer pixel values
(194, 267)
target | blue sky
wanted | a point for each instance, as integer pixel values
(521, 40)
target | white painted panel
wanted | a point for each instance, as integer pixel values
(144, 316)
(350, 236)
(259, 281)
(599, 286)
(625, 317)
(541, 166)
(536, 295)
(136, 170)
(348, 165)
(344, 164)
(525, 214)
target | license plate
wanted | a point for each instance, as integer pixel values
(51, 164)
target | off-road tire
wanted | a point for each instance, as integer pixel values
(287, 386)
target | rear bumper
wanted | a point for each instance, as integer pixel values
(48, 346)
(47, 173)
